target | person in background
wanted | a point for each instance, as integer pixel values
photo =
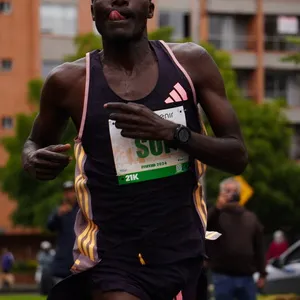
(239, 252)
(278, 245)
(7, 263)
(62, 221)
(43, 275)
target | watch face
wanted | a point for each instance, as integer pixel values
(183, 135)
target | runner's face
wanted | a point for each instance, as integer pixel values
(122, 20)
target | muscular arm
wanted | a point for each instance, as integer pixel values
(225, 151)
(48, 125)
(51, 120)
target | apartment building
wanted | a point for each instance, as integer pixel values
(254, 33)
(19, 62)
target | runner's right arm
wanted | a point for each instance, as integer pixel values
(42, 156)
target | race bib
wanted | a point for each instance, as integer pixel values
(141, 160)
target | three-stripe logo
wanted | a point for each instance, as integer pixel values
(178, 94)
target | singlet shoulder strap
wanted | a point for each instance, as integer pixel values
(181, 68)
(86, 94)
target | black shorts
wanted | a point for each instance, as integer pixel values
(147, 282)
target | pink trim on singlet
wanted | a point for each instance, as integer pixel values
(86, 95)
(182, 70)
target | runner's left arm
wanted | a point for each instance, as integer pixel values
(226, 150)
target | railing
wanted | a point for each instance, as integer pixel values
(271, 43)
(275, 94)
(279, 43)
(233, 43)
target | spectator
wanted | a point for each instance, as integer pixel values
(43, 275)
(239, 252)
(7, 263)
(62, 221)
(278, 245)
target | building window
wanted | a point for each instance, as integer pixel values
(276, 84)
(59, 19)
(5, 7)
(229, 32)
(5, 64)
(274, 39)
(178, 20)
(243, 81)
(7, 123)
(164, 19)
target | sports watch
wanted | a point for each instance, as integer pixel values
(182, 134)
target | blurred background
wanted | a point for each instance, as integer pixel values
(255, 43)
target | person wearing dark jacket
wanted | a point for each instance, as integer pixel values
(239, 252)
(62, 221)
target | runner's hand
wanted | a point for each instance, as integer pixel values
(139, 122)
(48, 162)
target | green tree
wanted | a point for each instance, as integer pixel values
(270, 172)
(294, 57)
(267, 137)
(35, 199)
(83, 44)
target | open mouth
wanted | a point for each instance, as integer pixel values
(116, 16)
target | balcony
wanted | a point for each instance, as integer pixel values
(174, 5)
(243, 56)
(239, 7)
(293, 115)
(276, 47)
(280, 44)
(280, 7)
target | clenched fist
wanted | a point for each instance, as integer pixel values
(46, 163)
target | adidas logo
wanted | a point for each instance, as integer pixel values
(178, 94)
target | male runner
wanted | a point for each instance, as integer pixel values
(142, 221)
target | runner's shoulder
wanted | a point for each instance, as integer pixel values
(188, 52)
(194, 58)
(66, 75)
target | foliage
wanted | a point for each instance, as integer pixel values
(34, 90)
(35, 199)
(294, 57)
(28, 266)
(270, 171)
(163, 33)
(267, 137)
(83, 44)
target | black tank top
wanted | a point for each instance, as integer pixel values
(139, 199)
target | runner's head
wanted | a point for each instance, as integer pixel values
(122, 20)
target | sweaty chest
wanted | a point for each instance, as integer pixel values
(135, 85)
